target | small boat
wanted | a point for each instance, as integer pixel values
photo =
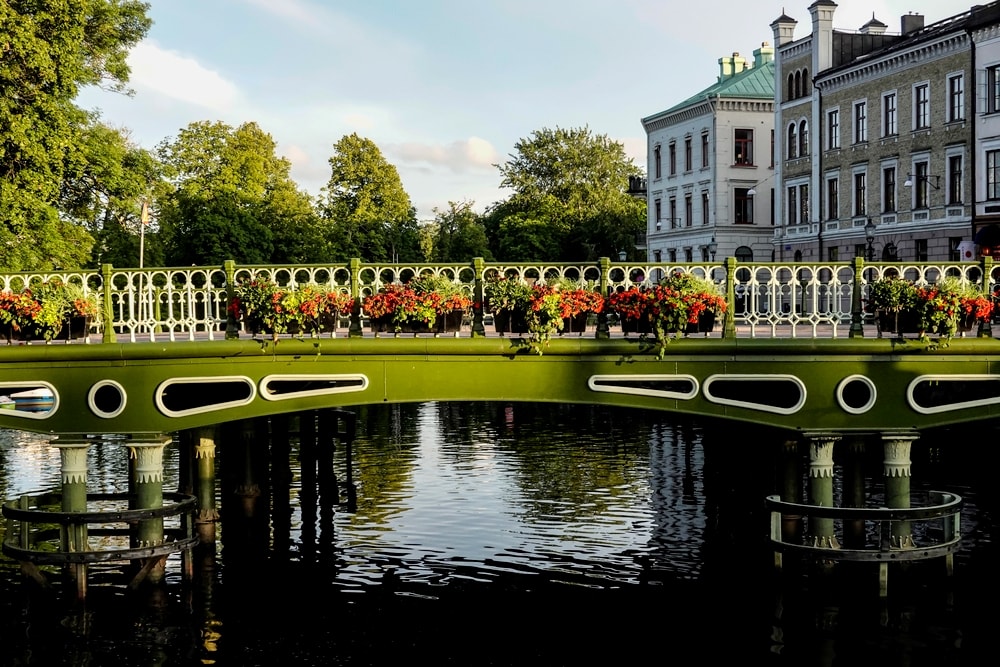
(7, 403)
(33, 400)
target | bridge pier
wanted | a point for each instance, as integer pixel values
(854, 491)
(821, 530)
(897, 472)
(73, 468)
(146, 477)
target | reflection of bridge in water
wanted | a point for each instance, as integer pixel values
(795, 351)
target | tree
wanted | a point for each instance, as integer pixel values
(459, 234)
(106, 179)
(570, 198)
(232, 197)
(367, 211)
(50, 50)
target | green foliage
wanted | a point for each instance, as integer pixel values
(50, 50)
(570, 199)
(459, 234)
(41, 310)
(892, 294)
(367, 212)
(506, 293)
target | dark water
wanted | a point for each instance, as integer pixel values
(490, 534)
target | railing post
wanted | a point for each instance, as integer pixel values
(986, 265)
(603, 330)
(729, 321)
(478, 330)
(232, 326)
(354, 330)
(857, 329)
(109, 313)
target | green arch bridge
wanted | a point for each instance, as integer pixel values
(796, 351)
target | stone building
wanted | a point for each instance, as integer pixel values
(706, 156)
(875, 138)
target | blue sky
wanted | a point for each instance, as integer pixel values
(444, 88)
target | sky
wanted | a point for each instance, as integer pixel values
(445, 89)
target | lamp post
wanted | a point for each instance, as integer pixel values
(622, 255)
(712, 247)
(870, 238)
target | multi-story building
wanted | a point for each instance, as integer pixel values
(709, 162)
(876, 137)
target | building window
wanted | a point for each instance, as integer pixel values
(772, 148)
(921, 107)
(832, 198)
(793, 141)
(704, 150)
(658, 208)
(953, 254)
(860, 122)
(793, 205)
(803, 138)
(860, 185)
(744, 207)
(688, 257)
(672, 153)
(688, 155)
(920, 185)
(955, 179)
(889, 127)
(673, 213)
(833, 129)
(704, 207)
(744, 147)
(673, 254)
(956, 98)
(920, 250)
(889, 189)
(860, 250)
(833, 254)
(688, 211)
(993, 175)
(657, 162)
(993, 89)
(804, 203)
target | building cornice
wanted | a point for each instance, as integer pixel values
(894, 63)
(706, 108)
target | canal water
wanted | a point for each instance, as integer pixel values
(521, 534)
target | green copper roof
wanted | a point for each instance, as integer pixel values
(755, 83)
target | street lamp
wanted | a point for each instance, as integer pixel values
(622, 255)
(870, 238)
(712, 247)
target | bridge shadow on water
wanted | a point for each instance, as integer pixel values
(512, 534)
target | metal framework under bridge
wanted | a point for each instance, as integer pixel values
(796, 350)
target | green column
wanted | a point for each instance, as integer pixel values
(73, 467)
(821, 488)
(896, 464)
(147, 493)
(854, 492)
(791, 490)
(204, 484)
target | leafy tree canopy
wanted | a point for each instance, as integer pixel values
(459, 234)
(48, 50)
(573, 182)
(367, 211)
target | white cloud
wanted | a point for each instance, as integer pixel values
(471, 153)
(181, 78)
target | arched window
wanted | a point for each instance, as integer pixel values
(793, 141)
(743, 254)
(805, 82)
(798, 84)
(798, 256)
(803, 138)
(791, 86)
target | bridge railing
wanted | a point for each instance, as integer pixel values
(178, 303)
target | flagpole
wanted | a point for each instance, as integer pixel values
(143, 221)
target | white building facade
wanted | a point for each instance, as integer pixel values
(710, 183)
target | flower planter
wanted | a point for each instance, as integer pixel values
(576, 324)
(900, 322)
(507, 321)
(450, 322)
(640, 325)
(705, 324)
(76, 327)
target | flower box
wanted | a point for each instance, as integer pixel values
(636, 325)
(576, 324)
(510, 321)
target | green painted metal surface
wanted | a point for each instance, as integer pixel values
(796, 384)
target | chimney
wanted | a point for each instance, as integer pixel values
(873, 27)
(725, 68)
(783, 28)
(763, 55)
(911, 23)
(739, 63)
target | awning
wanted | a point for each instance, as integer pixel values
(988, 236)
